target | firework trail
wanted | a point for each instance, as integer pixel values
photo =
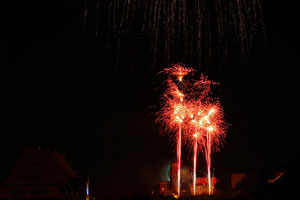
(208, 161)
(178, 159)
(85, 6)
(178, 29)
(195, 164)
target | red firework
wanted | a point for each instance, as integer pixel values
(207, 130)
(178, 71)
(174, 110)
(189, 110)
(207, 126)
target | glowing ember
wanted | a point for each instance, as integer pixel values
(178, 71)
(189, 110)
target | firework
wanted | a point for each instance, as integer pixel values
(189, 110)
(213, 129)
(208, 129)
(178, 71)
(174, 111)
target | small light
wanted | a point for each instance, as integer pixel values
(211, 111)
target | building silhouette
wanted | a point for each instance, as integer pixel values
(41, 174)
(167, 188)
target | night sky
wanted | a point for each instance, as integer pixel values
(62, 92)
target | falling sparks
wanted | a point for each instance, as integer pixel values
(192, 31)
(189, 110)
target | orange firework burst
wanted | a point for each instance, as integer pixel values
(207, 128)
(174, 111)
(208, 117)
(179, 71)
(208, 131)
(174, 108)
(189, 110)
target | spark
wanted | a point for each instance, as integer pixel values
(210, 128)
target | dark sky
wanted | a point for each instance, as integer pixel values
(58, 93)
